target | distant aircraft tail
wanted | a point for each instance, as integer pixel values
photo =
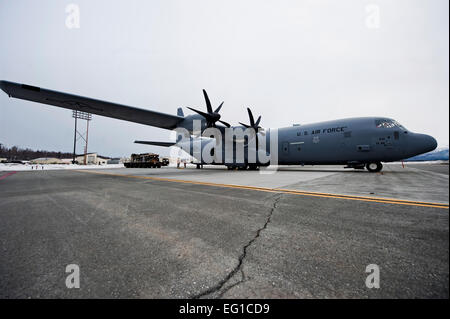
(180, 112)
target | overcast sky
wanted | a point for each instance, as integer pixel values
(290, 61)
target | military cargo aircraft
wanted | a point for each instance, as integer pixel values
(358, 143)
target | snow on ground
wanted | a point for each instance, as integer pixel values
(34, 167)
(422, 162)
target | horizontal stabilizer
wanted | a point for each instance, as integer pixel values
(166, 144)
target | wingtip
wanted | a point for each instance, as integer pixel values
(4, 86)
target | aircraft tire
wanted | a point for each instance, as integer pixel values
(374, 167)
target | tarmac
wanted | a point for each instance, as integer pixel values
(298, 232)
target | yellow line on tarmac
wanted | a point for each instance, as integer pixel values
(285, 191)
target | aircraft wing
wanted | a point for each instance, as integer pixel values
(85, 104)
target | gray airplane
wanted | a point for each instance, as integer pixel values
(358, 143)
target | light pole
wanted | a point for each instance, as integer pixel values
(82, 116)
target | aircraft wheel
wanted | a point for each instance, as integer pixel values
(374, 167)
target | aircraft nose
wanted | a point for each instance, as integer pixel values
(424, 143)
(431, 143)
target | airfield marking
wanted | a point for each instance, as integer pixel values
(8, 174)
(285, 191)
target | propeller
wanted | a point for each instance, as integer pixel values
(253, 124)
(211, 116)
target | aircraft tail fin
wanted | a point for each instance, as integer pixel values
(165, 144)
(180, 112)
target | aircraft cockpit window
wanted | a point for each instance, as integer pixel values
(387, 123)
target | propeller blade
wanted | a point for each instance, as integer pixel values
(218, 109)
(208, 103)
(205, 115)
(258, 120)
(225, 123)
(245, 125)
(250, 115)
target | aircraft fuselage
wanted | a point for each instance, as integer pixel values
(352, 141)
(347, 141)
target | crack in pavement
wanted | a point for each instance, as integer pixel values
(237, 283)
(238, 267)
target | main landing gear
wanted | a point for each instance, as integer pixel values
(374, 167)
